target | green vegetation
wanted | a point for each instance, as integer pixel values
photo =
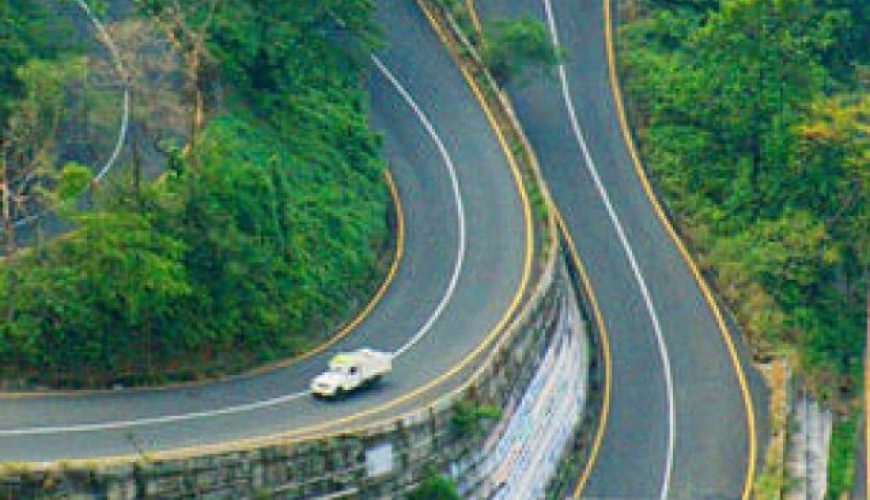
(29, 32)
(469, 419)
(841, 458)
(434, 487)
(39, 71)
(752, 118)
(267, 233)
(511, 48)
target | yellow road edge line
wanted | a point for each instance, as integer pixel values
(345, 330)
(867, 402)
(687, 258)
(375, 300)
(310, 432)
(605, 349)
(587, 285)
(475, 19)
(590, 292)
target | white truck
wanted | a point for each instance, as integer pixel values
(351, 370)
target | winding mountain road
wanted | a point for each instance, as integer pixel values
(681, 421)
(25, 225)
(466, 262)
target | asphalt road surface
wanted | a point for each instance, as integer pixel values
(465, 260)
(677, 425)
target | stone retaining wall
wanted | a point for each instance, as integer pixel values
(381, 461)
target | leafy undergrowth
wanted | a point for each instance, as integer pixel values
(256, 252)
(434, 487)
(752, 118)
(269, 231)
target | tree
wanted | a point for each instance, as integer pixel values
(95, 298)
(29, 139)
(29, 32)
(434, 487)
(757, 64)
(266, 48)
(850, 21)
(833, 163)
(512, 47)
(188, 26)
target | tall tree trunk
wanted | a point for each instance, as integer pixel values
(196, 115)
(40, 237)
(137, 167)
(8, 226)
(194, 88)
(199, 102)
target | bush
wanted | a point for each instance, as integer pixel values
(511, 47)
(434, 487)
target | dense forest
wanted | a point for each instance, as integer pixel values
(29, 33)
(268, 228)
(753, 118)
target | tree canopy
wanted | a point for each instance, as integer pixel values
(752, 118)
(511, 48)
(27, 31)
(266, 234)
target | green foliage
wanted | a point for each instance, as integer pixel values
(283, 242)
(851, 19)
(92, 299)
(766, 171)
(512, 47)
(841, 458)
(266, 236)
(469, 419)
(27, 31)
(266, 47)
(434, 487)
(30, 131)
(42, 84)
(74, 178)
(253, 255)
(833, 154)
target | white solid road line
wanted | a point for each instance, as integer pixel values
(121, 424)
(122, 73)
(445, 299)
(460, 207)
(590, 164)
(125, 116)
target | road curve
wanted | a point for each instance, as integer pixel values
(466, 261)
(678, 425)
(123, 127)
